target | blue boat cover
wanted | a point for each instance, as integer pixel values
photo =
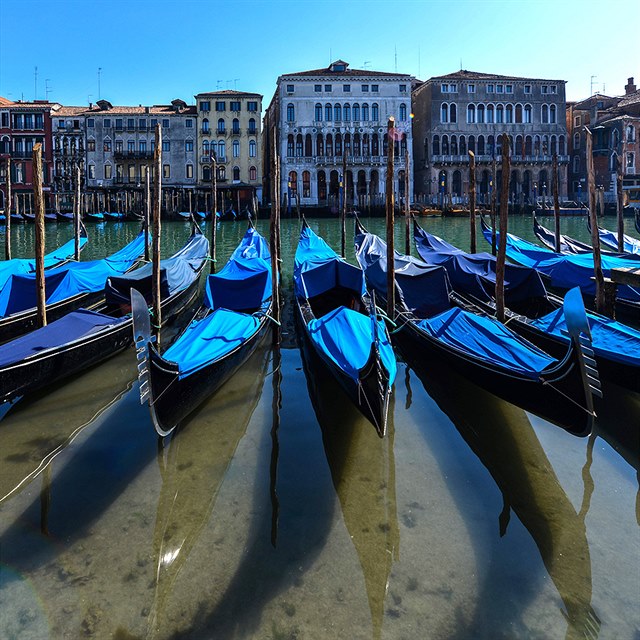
(28, 265)
(73, 326)
(318, 268)
(423, 289)
(567, 271)
(610, 339)
(567, 243)
(610, 239)
(345, 336)
(176, 274)
(19, 293)
(475, 273)
(244, 283)
(489, 340)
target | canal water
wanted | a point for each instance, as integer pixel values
(276, 512)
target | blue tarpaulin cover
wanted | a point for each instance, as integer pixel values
(19, 293)
(343, 335)
(567, 271)
(423, 288)
(610, 239)
(337, 334)
(176, 274)
(317, 268)
(27, 265)
(610, 339)
(73, 326)
(244, 282)
(488, 340)
(475, 273)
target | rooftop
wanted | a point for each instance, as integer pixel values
(340, 69)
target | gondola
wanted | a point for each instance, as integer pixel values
(84, 338)
(531, 311)
(69, 287)
(114, 216)
(340, 323)
(435, 325)
(609, 239)
(224, 333)
(64, 217)
(567, 243)
(565, 271)
(636, 220)
(94, 217)
(48, 217)
(57, 258)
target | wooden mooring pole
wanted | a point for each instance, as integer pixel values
(595, 238)
(214, 209)
(7, 239)
(472, 201)
(407, 204)
(157, 205)
(391, 290)
(76, 214)
(274, 239)
(39, 204)
(147, 213)
(556, 201)
(493, 208)
(620, 205)
(504, 217)
(343, 208)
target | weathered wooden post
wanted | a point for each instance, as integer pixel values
(595, 238)
(274, 238)
(556, 201)
(391, 291)
(472, 201)
(76, 214)
(157, 162)
(407, 204)
(7, 239)
(343, 208)
(493, 207)
(39, 203)
(620, 205)
(214, 209)
(504, 217)
(298, 203)
(147, 214)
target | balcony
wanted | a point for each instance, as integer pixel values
(485, 158)
(252, 132)
(234, 132)
(133, 155)
(205, 132)
(207, 159)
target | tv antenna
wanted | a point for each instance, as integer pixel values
(366, 64)
(99, 73)
(35, 83)
(218, 83)
(47, 91)
(395, 56)
(235, 83)
(592, 83)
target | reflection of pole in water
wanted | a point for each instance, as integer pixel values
(276, 405)
(407, 384)
(45, 500)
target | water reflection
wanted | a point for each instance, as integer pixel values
(502, 437)
(193, 463)
(363, 473)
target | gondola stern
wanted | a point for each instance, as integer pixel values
(374, 391)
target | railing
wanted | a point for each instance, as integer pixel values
(252, 132)
(206, 132)
(207, 159)
(133, 154)
(515, 158)
(235, 132)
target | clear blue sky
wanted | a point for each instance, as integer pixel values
(151, 52)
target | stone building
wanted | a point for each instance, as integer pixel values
(68, 133)
(469, 111)
(120, 142)
(615, 126)
(228, 126)
(319, 114)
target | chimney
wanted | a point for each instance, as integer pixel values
(629, 87)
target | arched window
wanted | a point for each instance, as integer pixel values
(205, 125)
(527, 114)
(337, 113)
(436, 145)
(518, 150)
(356, 112)
(252, 125)
(236, 148)
(346, 112)
(235, 126)
(453, 113)
(206, 173)
(308, 146)
(444, 112)
(545, 145)
(319, 145)
(552, 114)
(306, 184)
(554, 148)
(472, 143)
(222, 173)
(375, 145)
(236, 174)
(454, 146)
(222, 150)
(290, 146)
(329, 145)
(471, 113)
(508, 114)
(536, 145)
(220, 125)
(480, 145)
(403, 112)
(375, 112)
(365, 112)
(318, 112)
(299, 145)
(561, 146)
(528, 146)
(463, 145)
(499, 114)
(293, 182)
(328, 112)
(291, 113)
(205, 147)
(253, 174)
(490, 145)
(576, 164)
(480, 113)
(338, 149)
(445, 145)
(490, 117)
(545, 114)
(252, 149)
(518, 114)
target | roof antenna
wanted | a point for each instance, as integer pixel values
(395, 48)
(47, 91)
(35, 83)
(235, 83)
(460, 64)
(592, 83)
(218, 82)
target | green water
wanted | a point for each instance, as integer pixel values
(277, 512)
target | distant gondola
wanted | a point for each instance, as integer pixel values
(433, 324)
(94, 217)
(114, 216)
(339, 322)
(567, 243)
(68, 287)
(48, 217)
(531, 311)
(83, 338)
(609, 239)
(224, 333)
(65, 217)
